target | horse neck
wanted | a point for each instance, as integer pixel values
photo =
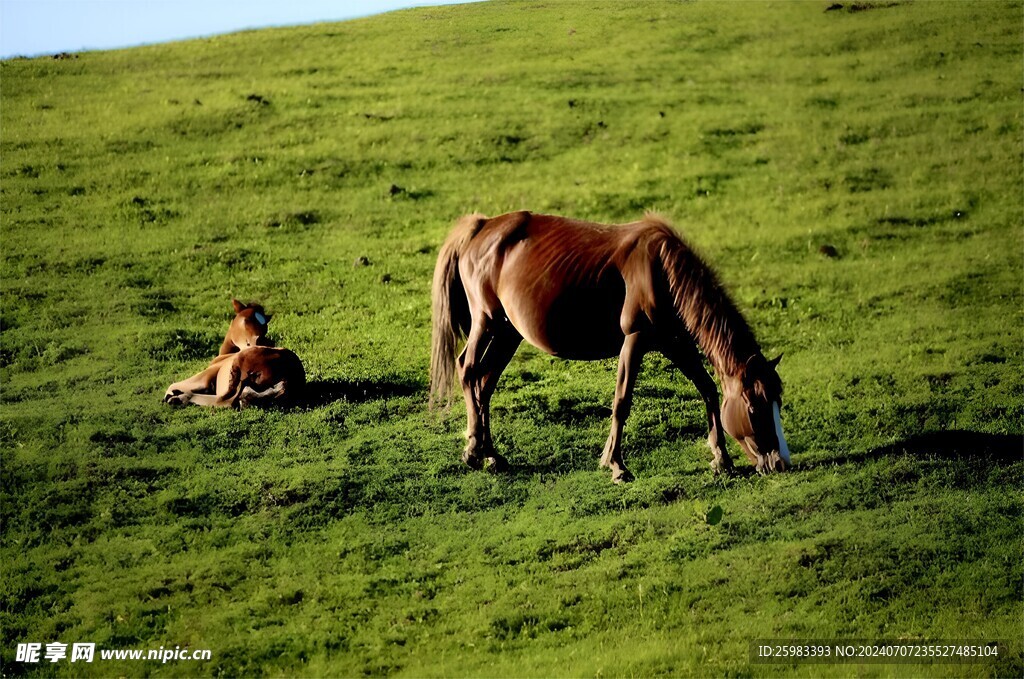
(707, 311)
(728, 346)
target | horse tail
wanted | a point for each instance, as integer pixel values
(451, 317)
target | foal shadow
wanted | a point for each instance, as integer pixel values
(993, 449)
(319, 393)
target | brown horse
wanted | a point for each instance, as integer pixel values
(589, 291)
(248, 371)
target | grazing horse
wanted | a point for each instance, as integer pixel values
(248, 371)
(587, 291)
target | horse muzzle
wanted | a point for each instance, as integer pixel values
(772, 462)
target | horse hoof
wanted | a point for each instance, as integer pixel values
(721, 468)
(472, 460)
(622, 476)
(495, 464)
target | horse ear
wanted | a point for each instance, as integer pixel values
(238, 306)
(775, 361)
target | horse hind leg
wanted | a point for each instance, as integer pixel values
(497, 357)
(481, 363)
(630, 357)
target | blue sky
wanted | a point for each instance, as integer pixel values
(33, 27)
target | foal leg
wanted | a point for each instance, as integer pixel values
(200, 382)
(250, 396)
(632, 353)
(226, 396)
(689, 362)
(212, 400)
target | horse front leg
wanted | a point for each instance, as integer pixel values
(689, 362)
(630, 357)
(480, 365)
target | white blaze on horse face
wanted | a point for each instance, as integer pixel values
(783, 448)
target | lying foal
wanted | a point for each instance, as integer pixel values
(248, 371)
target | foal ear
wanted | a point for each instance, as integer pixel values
(238, 306)
(775, 361)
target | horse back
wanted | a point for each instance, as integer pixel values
(572, 288)
(560, 245)
(559, 252)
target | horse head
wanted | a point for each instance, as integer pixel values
(249, 327)
(751, 413)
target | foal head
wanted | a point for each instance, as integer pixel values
(248, 329)
(750, 413)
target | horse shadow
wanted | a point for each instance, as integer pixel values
(957, 444)
(318, 393)
(984, 449)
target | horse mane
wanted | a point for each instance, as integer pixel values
(702, 303)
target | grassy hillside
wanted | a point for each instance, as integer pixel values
(853, 174)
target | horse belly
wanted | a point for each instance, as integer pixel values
(585, 324)
(561, 291)
(577, 323)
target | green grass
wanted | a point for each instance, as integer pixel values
(142, 189)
